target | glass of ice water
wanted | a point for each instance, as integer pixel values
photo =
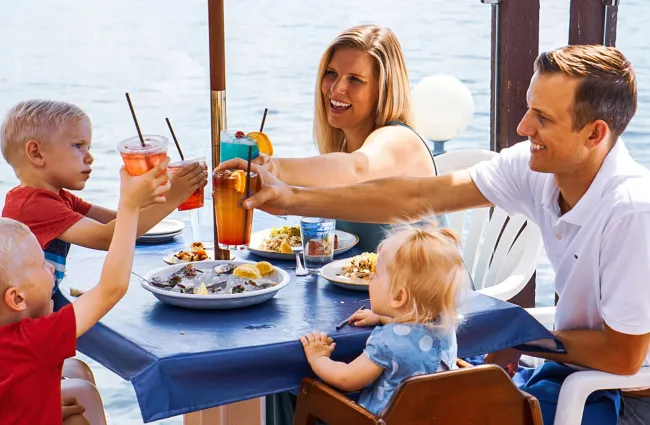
(317, 236)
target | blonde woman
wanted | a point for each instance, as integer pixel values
(362, 121)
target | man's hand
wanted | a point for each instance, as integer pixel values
(187, 180)
(141, 191)
(268, 163)
(365, 318)
(70, 406)
(272, 195)
(317, 345)
(507, 359)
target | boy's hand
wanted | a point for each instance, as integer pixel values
(317, 345)
(70, 406)
(365, 318)
(187, 180)
(141, 191)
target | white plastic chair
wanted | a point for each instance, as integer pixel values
(500, 262)
(577, 387)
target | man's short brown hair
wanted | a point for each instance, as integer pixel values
(607, 90)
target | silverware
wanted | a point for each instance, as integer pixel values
(142, 278)
(344, 322)
(300, 270)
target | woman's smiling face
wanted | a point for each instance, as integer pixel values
(350, 89)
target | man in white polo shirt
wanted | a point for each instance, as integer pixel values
(575, 178)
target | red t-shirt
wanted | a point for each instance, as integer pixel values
(32, 352)
(46, 214)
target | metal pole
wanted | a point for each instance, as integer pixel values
(217, 47)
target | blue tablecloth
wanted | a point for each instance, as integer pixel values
(181, 360)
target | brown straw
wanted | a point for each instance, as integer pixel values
(135, 120)
(169, 124)
(266, 110)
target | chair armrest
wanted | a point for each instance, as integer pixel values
(317, 400)
(544, 315)
(577, 387)
(507, 288)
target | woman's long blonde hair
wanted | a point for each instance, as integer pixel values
(394, 91)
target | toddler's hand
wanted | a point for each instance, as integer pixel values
(317, 345)
(149, 188)
(365, 318)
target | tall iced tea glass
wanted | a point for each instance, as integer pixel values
(234, 223)
(139, 159)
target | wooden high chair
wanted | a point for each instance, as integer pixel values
(472, 395)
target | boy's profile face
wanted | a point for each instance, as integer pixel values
(67, 158)
(32, 292)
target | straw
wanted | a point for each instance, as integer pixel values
(247, 188)
(135, 120)
(266, 110)
(344, 322)
(169, 124)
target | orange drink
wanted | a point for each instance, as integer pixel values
(196, 199)
(139, 159)
(234, 223)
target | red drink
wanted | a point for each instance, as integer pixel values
(196, 199)
(234, 223)
(139, 159)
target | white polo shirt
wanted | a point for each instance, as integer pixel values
(600, 250)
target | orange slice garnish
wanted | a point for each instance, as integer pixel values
(263, 142)
(240, 180)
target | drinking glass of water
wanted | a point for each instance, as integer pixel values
(317, 236)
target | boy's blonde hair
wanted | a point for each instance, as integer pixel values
(12, 232)
(394, 103)
(428, 264)
(40, 120)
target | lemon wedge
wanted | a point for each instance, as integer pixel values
(264, 144)
(247, 271)
(285, 248)
(265, 268)
(202, 290)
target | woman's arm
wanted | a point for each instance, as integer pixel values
(387, 152)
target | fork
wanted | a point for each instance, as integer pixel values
(300, 270)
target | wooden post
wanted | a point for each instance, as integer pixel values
(217, 46)
(515, 46)
(593, 22)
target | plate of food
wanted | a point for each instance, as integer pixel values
(351, 273)
(276, 243)
(197, 251)
(216, 284)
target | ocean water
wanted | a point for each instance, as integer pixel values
(90, 53)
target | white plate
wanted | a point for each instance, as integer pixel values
(346, 242)
(169, 257)
(334, 273)
(166, 227)
(213, 301)
(158, 238)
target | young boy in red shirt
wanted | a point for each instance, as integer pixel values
(34, 341)
(48, 145)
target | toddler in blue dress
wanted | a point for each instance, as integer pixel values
(413, 293)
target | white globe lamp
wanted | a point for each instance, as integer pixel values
(442, 107)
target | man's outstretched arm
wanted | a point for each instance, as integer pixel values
(377, 201)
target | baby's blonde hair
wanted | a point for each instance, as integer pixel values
(13, 232)
(40, 120)
(427, 263)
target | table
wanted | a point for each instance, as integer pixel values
(182, 361)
